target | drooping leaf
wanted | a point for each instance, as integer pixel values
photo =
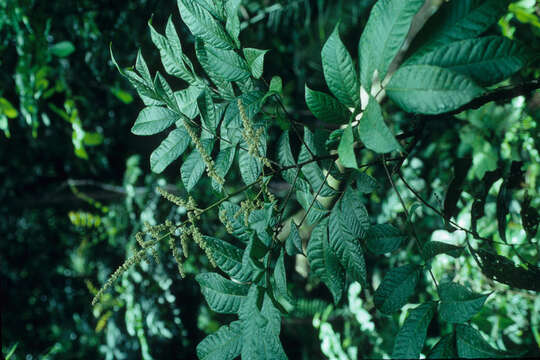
(426, 89)
(224, 344)
(434, 248)
(202, 24)
(471, 344)
(373, 131)
(383, 36)
(444, 348)
(346, 149)
(280, 277)
(384, 238)
(410, 338)
(153, 120)
(255, 60)
(396, 288)
(192, 170)
(503, 270)
(459, 304)
(293, 244)
(169, 150)
(323, 262)
(326, 108)
(339, 71)
(486, 60)
(222, 295)
(228, 258)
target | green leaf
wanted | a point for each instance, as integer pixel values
(255, 60)
(383, 36)
(164, 91)
(396, 288)
(348, 222)
(276, 85)
(62, 49)
(192, 170)
(323, 262)
(383, 238)
(280, 277)
(226, 64)
(429, 89)
(251, 166)
(502, 209)
(365, 183)
(224, 87)
(252, 105)
(434, 248)
(207, 111)
(293, 244)
(169, 150)
(410, 338)
(503, 270)
(222, 295)
(373, 131)
(260, 328)
(339, 71)
(228, 258)
(326, 108)
(285, 158)
(460, 20)
(346, 149)
(170, 50)
(142, 68)
(224, 344)
(232, 24)
(187, 100)
(7, 109)
(223, 163)
(471, 344)
(203, 25)
(486, 60)
(445, 348)
(459, 304)
(229, 209)
(153, 120)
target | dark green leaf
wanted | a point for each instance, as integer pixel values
(280, 277)
(434, 248)
(226, 64)
(486, 60)
(339, 71)
(459, 304)
(228, 258)
(326, 108)
(323, 262)
(365, 183)
(445, 348)
(293, 244)
(192, 170)
(384, 238)
(429, 89)
(410, 338)
(396, 288)
(202, 24)
(222, 295)
(224, 344)
(503, 202)
(471, 344)
(383, 36)
(461, 168)
(223, 164)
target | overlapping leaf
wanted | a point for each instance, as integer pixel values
(410, 338)
(169, 150)
(396, 288)
(222, 295)
(459, 304)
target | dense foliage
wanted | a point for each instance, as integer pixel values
(391, 212)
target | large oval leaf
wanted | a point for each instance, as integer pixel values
(426, 89)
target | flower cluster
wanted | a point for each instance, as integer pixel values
(251, 136)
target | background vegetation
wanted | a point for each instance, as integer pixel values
(77, 186)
